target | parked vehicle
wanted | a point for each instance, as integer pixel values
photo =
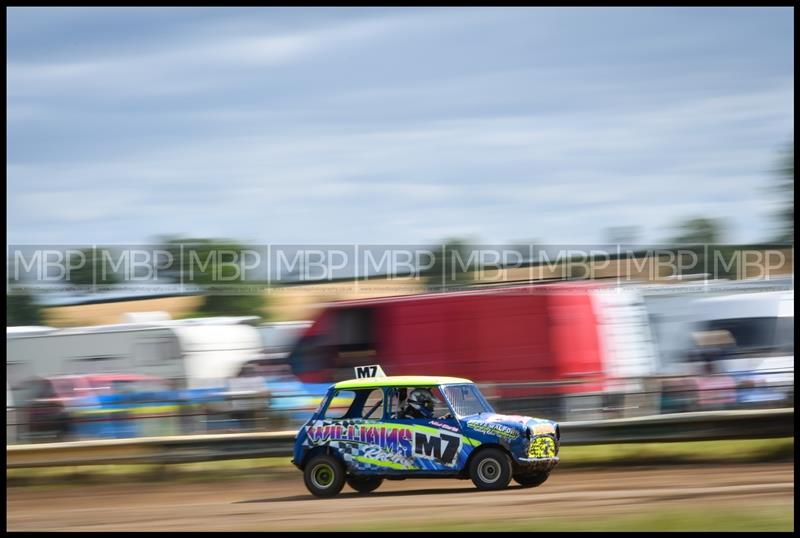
(100, 406)
(190, 353)
(670, 309)
(508, 334)
(279, 337)
(628, 350)
(569, 339)
(749, 337)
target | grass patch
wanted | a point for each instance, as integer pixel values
(206, 471)
(737, 451)
(706, 519)
(732, 451)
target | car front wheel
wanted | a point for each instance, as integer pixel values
(490, 469)
(364, 484)
(324, 476)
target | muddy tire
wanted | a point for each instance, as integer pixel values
(324, 476)
(490, 469)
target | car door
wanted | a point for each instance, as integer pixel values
(436, 444)
(353, 425)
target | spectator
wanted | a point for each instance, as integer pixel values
(46, 417)
(677, 394)
(715, 390)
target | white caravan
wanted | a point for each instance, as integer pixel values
(197, 353)
(279, 337)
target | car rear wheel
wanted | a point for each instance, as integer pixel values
(364, 484)
(324, 476)
(531, 480)
(490, 469)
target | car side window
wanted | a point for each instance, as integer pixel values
(340, 404)
(440, 409)
(373, 405)
(354, 404)
(398, 403)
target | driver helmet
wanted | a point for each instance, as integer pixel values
(422, 401)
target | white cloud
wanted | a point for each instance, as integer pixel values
(493, 154)
(202, 62)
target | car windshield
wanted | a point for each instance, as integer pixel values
(466, 400)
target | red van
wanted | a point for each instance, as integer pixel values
(535, 333)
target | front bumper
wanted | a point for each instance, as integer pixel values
(536, 464)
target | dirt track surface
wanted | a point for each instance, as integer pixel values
(284, 504)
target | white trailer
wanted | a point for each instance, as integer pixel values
(280, 337)
(213, 353)
(197, 353)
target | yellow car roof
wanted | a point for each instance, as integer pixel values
(400, 381)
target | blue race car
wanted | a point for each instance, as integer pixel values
(368, 430)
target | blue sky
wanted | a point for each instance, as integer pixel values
(393, 125)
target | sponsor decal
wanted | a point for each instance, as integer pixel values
(392, 439)
(500, 430)
(510, 418)
(444, 426)
(412, 447)
(376, 454)
(543, 429)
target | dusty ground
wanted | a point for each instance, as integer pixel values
(284, 504)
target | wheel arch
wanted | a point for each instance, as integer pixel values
(324, 449)
(483, 448)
